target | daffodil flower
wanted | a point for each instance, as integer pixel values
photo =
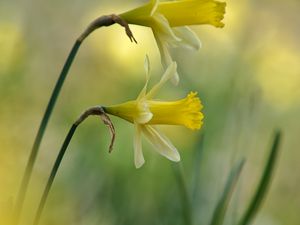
(145, 113)
(169, 21)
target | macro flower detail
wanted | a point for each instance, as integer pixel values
(145, 113)
(169, 20)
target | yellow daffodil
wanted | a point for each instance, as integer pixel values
(169, 21)
(145, 113)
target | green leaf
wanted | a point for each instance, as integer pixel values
(264, 183)
(220, 210)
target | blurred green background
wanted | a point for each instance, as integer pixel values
(247, 75)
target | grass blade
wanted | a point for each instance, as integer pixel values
(264, 183)
(220, 210)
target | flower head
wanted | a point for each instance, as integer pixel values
(145, 112)
(169, 21)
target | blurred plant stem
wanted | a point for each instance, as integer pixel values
(99, 22)
(183, 192)
(196, 170)
(221, 208)
(264, 183)
(98, 110)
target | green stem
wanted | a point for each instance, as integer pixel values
(53, 173)
(34, 151)
(186, 205)
(98, 111)
(264, 183)
(97, 23)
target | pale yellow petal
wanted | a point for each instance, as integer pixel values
(188, 38)
(162, 28)
(166, 58)
(137, 144)
(154, 5)
(161, 143)
(144, 115)
(147, 67)
(169, 73)
(147, 70)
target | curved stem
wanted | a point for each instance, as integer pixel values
(53, 173)
(34, 151)
(98, 111)
(97, 23)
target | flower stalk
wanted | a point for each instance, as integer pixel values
(43, 125)
(98, 111)
(98, 23)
